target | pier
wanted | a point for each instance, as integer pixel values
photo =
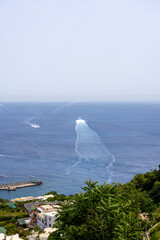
(14, 186)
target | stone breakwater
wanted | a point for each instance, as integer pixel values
(14, 186)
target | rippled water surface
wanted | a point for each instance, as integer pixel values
(63, 144)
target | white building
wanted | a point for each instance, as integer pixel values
(49, 219)
(42, 236)
(2, 236)
(46, 215)
(12, 237)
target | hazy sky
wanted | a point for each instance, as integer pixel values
(79, 50)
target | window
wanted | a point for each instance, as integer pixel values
(49, 225)
(50, 219)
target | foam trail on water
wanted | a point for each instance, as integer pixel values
(9, 156)
(59, 108)
(3, 106)
(29, 122)
(68, 170)
(89, 147)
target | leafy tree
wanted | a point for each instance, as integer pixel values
(101, 212)
(2, 200)
(155, 232)
(155, 192)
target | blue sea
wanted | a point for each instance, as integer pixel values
(63, 144)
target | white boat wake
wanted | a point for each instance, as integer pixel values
(29, 122)
(8, 156)
(3, 106)
(89, 147)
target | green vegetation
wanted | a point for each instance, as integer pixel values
(9, 216)
(155, 232)
(2, 200)
(57, 197)
(112, 211)
(108, 211)
(102, 212)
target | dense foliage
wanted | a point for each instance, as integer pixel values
(9, 216)
(108, 211)
(149, 182)
(155, 232)
(57, 197)
(112, 211)
(101, 212)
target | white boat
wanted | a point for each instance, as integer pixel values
(35, 126)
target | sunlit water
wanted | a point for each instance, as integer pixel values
(110, 142)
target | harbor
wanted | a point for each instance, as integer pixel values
(14, 186)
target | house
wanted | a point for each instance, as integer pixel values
(49, 218)
(46, 215)
(42, 236)
(2, 236)
(24, 222)
(12, 237)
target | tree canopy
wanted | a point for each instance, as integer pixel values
(111, 211)
(101, 212)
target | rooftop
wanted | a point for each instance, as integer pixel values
(22, 221)
(53, 213)
(13, 237)
(11, 205)
(47, 207)
(3, 230)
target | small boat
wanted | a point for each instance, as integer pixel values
(35, 125)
